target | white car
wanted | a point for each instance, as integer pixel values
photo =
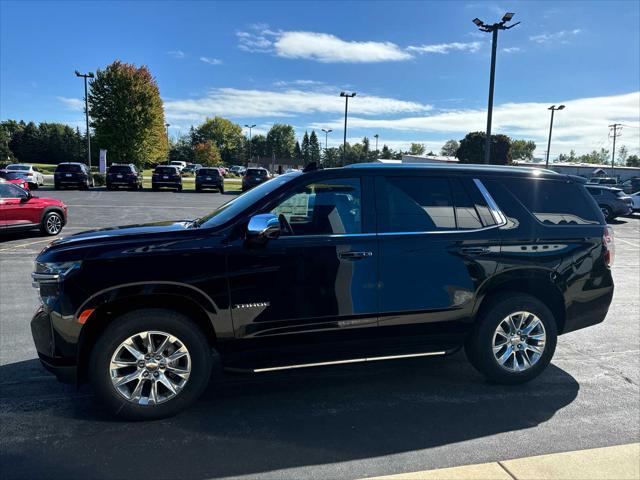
(178, 163)
(31, 174)
(636, 201)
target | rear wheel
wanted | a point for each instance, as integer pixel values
(513, 340)
(221, 188)
(607, 212)
(51, 223)
(56, 186)
(179, 189)
(150, 364)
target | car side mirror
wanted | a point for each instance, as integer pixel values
(264, 226)
(26, 197)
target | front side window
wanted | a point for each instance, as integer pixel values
(326, 207)
(417, 204)
(8, 190)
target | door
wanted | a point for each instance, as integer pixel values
(320, 275)
(16, 211)
(438, 243)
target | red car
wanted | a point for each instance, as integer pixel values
(20, 210)
(16, 178)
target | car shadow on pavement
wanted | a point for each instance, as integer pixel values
(253, 424)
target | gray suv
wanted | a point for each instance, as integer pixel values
(613, 202)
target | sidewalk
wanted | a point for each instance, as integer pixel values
(621, 462)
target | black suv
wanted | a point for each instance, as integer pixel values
(166, 176)
(613, 202)
(369, 262)
(123, 176)
(253, 177)
(71, 174)
(209, 178)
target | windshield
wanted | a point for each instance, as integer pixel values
(18, 167)
(68, 167)
(233, 207)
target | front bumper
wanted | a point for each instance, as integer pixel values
(63, 367)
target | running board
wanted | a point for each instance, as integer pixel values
(352, 360)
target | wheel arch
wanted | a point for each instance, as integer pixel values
(535, 282)
(53, 208)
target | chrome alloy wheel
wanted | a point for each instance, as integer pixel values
(518, 342)
(53, 224)
(150, 367)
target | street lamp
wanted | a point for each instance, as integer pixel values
(553, 108)
(326, 138)
(86, 113)
(346, 96)
(493, 29)
(376, 137)
(167, 125)
(250, 155)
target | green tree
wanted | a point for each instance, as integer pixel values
(417, 149)
(314, 147)
(297, 153)
(331, 157)
(623, 153)
(306, 152)
(471, 149)
(522, 149)
(633, 161)
(450, 148)
(226, 135)
(386, 153)
(281, 141)
(182, 150)
(127, 114)
(206, 153)
(259, 146)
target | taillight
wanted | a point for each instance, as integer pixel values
(609, 246)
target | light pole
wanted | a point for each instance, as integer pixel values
(493, 29)
(376, 137)
(553, 108)
(326, 139)
(250, 156)
(167, 125)
(346, 96)
(86, 113)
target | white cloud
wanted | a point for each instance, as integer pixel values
(561, 36)
(258, 40)
(176, 53)
(327, 48)
(445, 48)
(234, 102)
(512, 50)
(211, 61)
(72, 103)
(284, 83)
(582, 126)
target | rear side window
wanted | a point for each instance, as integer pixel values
(417, 204)
(467, 216)
(554, 202)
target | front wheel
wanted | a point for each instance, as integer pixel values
(149, 364)
(51, 223)
(607, 212)
(514, 339)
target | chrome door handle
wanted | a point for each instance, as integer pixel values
(355, 255)
(475, 250)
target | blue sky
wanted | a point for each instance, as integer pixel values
(420, 68)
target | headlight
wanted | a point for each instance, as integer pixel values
(53, 272)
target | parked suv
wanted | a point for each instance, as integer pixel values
(20, 210)
(166, 176)
(209, 178)
(613, 202)
(123, 176)
(70, 174)
(369, 262)
(253, 177)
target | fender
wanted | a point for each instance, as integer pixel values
(218, 314)
(56, 209)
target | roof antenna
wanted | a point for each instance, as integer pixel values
(311, 167)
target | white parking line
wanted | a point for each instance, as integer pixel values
(618, 239)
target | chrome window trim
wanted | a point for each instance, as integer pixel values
(497, 214)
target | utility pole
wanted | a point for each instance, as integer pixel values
(376, 137)
(250, 143)
(167, 125)
(346, 107)
(615, 128)
(86, 113)
(493, 29)
(553, 108)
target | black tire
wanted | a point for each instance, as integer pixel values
(145, 320)
(198, 189)
(478, 346)
(179, 189)
(607, 212)
(52, 223)
(109, 187)
(222, 189)
(56, 186)
(154, 188)
(34, 186)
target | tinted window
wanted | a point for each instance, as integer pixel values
(8, 190)
(166, 170)
(467, 216)
(18, 167)
(594, 191)
(66, 167)
(209, 172)
(256, 172)
(417, 204)
(119, 169)
(324, 208)
(553, 202)
(11, 175)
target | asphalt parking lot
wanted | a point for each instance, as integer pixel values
(335, 422)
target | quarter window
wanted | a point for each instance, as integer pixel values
(324, 208)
